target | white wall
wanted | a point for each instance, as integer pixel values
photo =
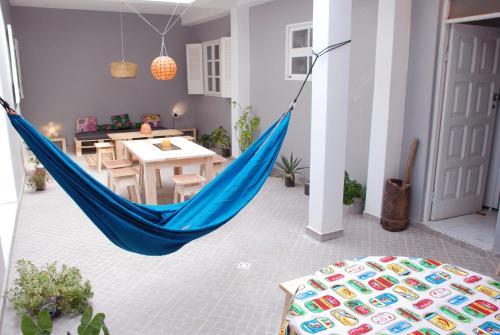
(11, 167)
(362, 70)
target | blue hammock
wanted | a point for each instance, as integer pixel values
(162, 229)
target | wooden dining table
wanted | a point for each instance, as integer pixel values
(151, 158)
(118, 138)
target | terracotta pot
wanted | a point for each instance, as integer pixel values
(146, 128)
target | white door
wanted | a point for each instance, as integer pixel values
(472, 81)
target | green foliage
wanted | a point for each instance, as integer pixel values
(246, 126)
(92, 326)
(220, 138)
(352, 189)
(289, 167)
(35, 288)
(205, 140)
(42, 326)
(38, 179)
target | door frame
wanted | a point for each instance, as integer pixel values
(437, 115)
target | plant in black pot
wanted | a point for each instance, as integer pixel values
(289, 168)
(205, 140)
(220, 138)
(49, 288)
(354, 194)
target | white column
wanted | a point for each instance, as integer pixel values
(330, 86)
(389, 94)
(240, 65)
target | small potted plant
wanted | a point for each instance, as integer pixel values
(288, 168)
(220, 138)
(354, 194)
(205, 140)
(38, 179)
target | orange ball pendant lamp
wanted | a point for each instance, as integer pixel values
(163, 67)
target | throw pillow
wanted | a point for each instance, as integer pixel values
(85, 124)
(104, 127)
(120, 121)
(152, 119)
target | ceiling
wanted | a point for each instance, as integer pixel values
(201, 10)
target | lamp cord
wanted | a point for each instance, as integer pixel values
(121, 32)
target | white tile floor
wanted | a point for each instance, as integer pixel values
(208, 287)
(474, 229)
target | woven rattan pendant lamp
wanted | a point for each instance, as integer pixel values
(123, 69)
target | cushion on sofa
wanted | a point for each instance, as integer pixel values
(120, 121)
(152, 119)
(85, 124)
(104, 127)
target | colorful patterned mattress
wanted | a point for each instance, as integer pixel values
(396, 295)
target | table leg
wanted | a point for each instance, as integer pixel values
(209, 168)
(63, 144)
(150, 184)
(119, 149)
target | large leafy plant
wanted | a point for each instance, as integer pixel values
(246, 126)
(48, 288)
(42, 325)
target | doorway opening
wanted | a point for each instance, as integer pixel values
(466, 170)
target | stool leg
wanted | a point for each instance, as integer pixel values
(158, 177)
(138, 192)
(202, 170)
(99, 160)
(181, 194)
(109, 180)
(131, 193)
(176, 193)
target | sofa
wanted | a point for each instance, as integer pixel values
(88, 132)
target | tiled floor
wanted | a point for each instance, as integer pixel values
(223, 284)
(474, 229)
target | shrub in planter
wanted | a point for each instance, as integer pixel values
(205, 140)
(288, 168)
(38, 179)
(220, 138)
(246, 126)
(57, 291)
(354, 194)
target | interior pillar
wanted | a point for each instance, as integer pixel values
(389, 94)
(330, 88)
(240, 66)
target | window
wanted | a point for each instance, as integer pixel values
(299, 38)
(217, 67)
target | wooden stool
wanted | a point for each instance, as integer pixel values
(218, 163)
(126, 176)
(102, 148)
(186, 184)
(117, 163)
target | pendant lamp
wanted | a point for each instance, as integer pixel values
(123, 69)
(163, 67)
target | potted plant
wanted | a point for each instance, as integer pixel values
(38, 179)
(288, 168)
(246, 126)
(220, 138)
(354, 194)
(205, 140)
(49, 288)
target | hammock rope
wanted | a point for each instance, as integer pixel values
(162, 229)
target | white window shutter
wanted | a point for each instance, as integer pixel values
(194, 61)
(225, 47)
